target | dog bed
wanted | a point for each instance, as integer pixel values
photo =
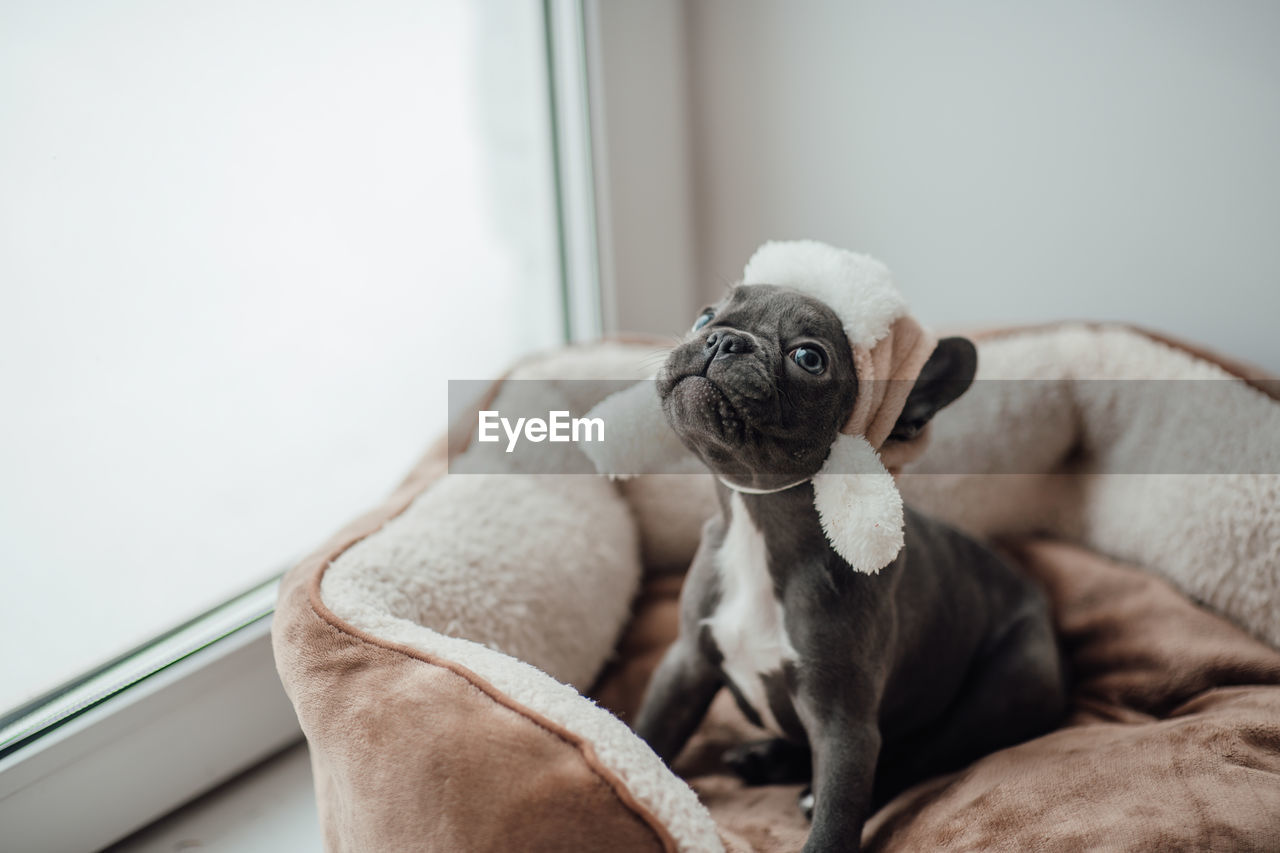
(440, 650)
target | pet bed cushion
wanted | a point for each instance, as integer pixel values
(438, 649)
(1173, 741)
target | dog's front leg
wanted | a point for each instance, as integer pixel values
(677, 699)
(844, 767)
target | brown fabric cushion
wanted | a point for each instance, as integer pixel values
(1173, 741)
(411, 753)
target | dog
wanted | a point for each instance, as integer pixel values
(868, 682)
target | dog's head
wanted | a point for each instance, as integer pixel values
(766, 378)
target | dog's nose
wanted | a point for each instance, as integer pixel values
(724, 342)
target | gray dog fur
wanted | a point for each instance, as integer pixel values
(871, 682)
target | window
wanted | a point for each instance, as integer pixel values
(242, 249)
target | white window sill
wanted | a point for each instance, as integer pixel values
(266, 809)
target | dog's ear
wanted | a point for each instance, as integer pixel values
(946, 375)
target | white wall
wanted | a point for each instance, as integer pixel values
(1011, 161)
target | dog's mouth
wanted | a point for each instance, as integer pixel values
(696, 402)
(717, 403)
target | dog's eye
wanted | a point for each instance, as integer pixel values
(703, 319)
(810, 359)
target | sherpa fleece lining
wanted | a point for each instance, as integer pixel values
(577, 741)
(1073, 456)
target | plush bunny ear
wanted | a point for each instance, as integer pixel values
(859, 505)
(637, 437)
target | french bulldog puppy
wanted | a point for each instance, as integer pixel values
(870, 682)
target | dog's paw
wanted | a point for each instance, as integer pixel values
(769, 762)
(805, 802)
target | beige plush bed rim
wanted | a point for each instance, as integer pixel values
(439, 651)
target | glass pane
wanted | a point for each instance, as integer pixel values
(242, 248)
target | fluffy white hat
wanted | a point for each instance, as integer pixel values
(857, 287)
(857, 500)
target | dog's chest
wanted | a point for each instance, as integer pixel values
(747, 624)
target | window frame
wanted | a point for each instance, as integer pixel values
(161, 739)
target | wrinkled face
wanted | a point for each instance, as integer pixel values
(761, 386)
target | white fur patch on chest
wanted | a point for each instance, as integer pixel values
(747, 624)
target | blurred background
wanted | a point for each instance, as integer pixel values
(1011, 162)
(244, 246)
